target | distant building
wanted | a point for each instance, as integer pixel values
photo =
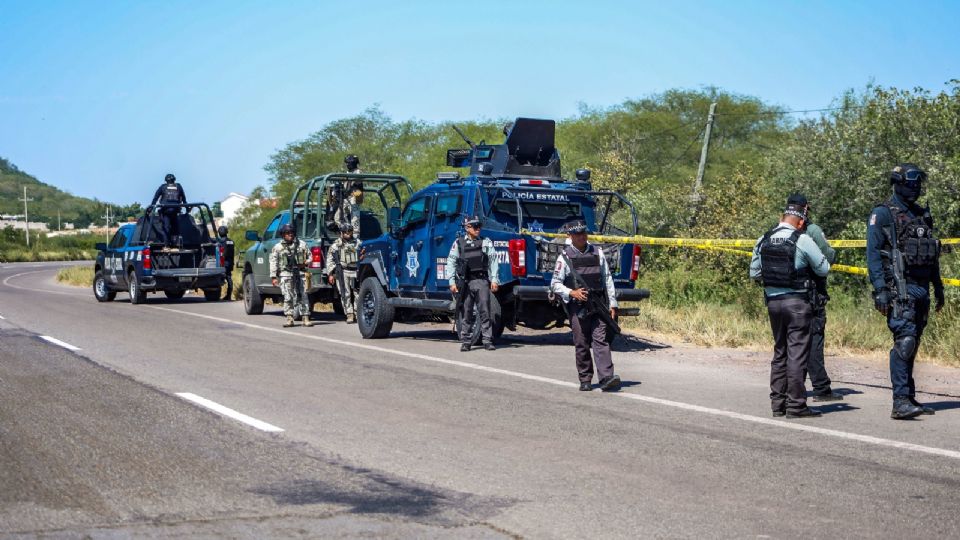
(19, 225)
(231, 205)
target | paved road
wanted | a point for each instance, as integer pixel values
(408, 437)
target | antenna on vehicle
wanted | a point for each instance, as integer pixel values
(463, 136)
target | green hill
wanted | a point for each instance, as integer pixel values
(47, 200)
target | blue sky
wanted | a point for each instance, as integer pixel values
(103, 98)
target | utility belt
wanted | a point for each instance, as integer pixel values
(477, 275)
(809, 295)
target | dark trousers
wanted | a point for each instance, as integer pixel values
(590, 333)
(171, 227)
(478, 294)
(815, 364)
(790, 319)
(911, 323)
(229, 294)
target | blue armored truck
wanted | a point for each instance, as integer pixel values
(141, 259)
(518, 188)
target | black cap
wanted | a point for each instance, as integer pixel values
(351, 161)
(797, 206)
(575, 226)
(472, 220)
(169, 178)
(798, 199)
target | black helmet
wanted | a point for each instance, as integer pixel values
(346, 226)
(352, 162)
(222, 230)
(287, 228)
(169, 178)
(907, 173)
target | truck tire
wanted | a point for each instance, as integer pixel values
(252, 301)
(174, 295)
(496, 319)
(375, 315)
(211, 295)
(101, 291)
(137, 295)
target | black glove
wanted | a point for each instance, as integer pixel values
(938, 295)
(882, 300)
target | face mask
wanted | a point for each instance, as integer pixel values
(909, 192)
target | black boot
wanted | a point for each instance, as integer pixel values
(465, 347)
(924, 408)
(610, 384)
(586, 387)
(804, 413)
(903, 409)
(827, 396)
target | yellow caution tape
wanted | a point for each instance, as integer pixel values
(726, 246)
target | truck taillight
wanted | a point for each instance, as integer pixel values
(635, 263)
(220, 255)
(316, 257)
(518, 257)
(147, 262)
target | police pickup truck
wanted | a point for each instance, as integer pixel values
(311, 212)
(138, 262)
(517, 187)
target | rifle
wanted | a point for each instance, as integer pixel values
(901, 302)
(296, 266)
(593, 303)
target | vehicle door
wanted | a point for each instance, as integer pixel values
(268, 240)
(448, 215)
(413, 257)
(116, 257)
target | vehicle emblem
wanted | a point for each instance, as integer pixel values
(412, 263)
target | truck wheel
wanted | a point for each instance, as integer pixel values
(137, 295)
(100, 289)
(375, 317)
(211, 295)
(252, 301)
(496, 319)
(174, 295)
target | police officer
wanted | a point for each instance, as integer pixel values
(589, 330)
(345, 251)
(786, 261)
(352, 163)
(901, 227)
(481, 278)
(816, 366)
(287, 262)
(349, 211)
(169, 193)
(228, 256)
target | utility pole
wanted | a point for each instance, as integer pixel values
(107, 218)
(26, 216)
(698, 185)
(58, 220)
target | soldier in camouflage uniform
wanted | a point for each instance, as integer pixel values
(345, 251)
(349, 211)
(287, 263)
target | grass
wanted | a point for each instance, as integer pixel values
(78, 276)
(23, 255)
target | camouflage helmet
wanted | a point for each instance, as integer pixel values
(287, 228)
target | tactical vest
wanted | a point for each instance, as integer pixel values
(915, 236)
(777, 262)
(171, 194)
(348, 255)
(588, 266)
(471, 251)
(290, 257)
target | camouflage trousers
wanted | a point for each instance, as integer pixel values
(291, 308)
(348, 297)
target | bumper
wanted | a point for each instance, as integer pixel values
(541, 292)
(184, 278)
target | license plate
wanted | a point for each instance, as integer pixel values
(186, 278)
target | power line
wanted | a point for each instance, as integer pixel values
(687, 149)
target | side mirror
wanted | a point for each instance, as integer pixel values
(393, 219)
(252, 236)
(101, 246)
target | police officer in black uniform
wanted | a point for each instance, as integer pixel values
(228, 256)
(482, 277)
(352, 163)
(903, 224)
(169, 193)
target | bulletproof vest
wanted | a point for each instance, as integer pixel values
(777, 262)
(587, 265)
(348, 255)
(228, 252)
(473, 256)
(290, 256)
(171, 194)
(915, 236)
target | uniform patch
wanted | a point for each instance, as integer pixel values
(873, 219)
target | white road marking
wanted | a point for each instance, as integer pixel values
(63, 344)
(2, 318)
(785, 424)
(7, 283)
(226, 411)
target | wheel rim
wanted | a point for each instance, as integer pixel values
(133, 288)
(369, 307)
(101, 288)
